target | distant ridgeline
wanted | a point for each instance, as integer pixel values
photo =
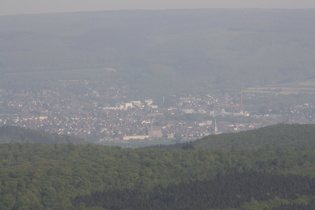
(297, 136)
(300, 137)
(268, 168)
(13, 134)
(155, 52)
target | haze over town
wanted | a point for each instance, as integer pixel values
(172, 75)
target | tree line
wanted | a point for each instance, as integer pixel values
(67, 175)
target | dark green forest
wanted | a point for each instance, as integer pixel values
(13, 134)
(301, 137)
(231, 190)
(277, 173)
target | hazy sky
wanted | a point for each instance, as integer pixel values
(47, 6)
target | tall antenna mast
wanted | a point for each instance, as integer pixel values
(241, 106)
(216, 130)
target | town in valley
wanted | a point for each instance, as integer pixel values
(108, 115)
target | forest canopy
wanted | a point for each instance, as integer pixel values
(79, 176)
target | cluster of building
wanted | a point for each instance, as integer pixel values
(104, 115)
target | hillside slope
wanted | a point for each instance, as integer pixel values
(296, 136)
(13, 134)
(80, 176)
(174, 50)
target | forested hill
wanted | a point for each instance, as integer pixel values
(90, 176)
(301, 137)
(13, 134)
(283, 135)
